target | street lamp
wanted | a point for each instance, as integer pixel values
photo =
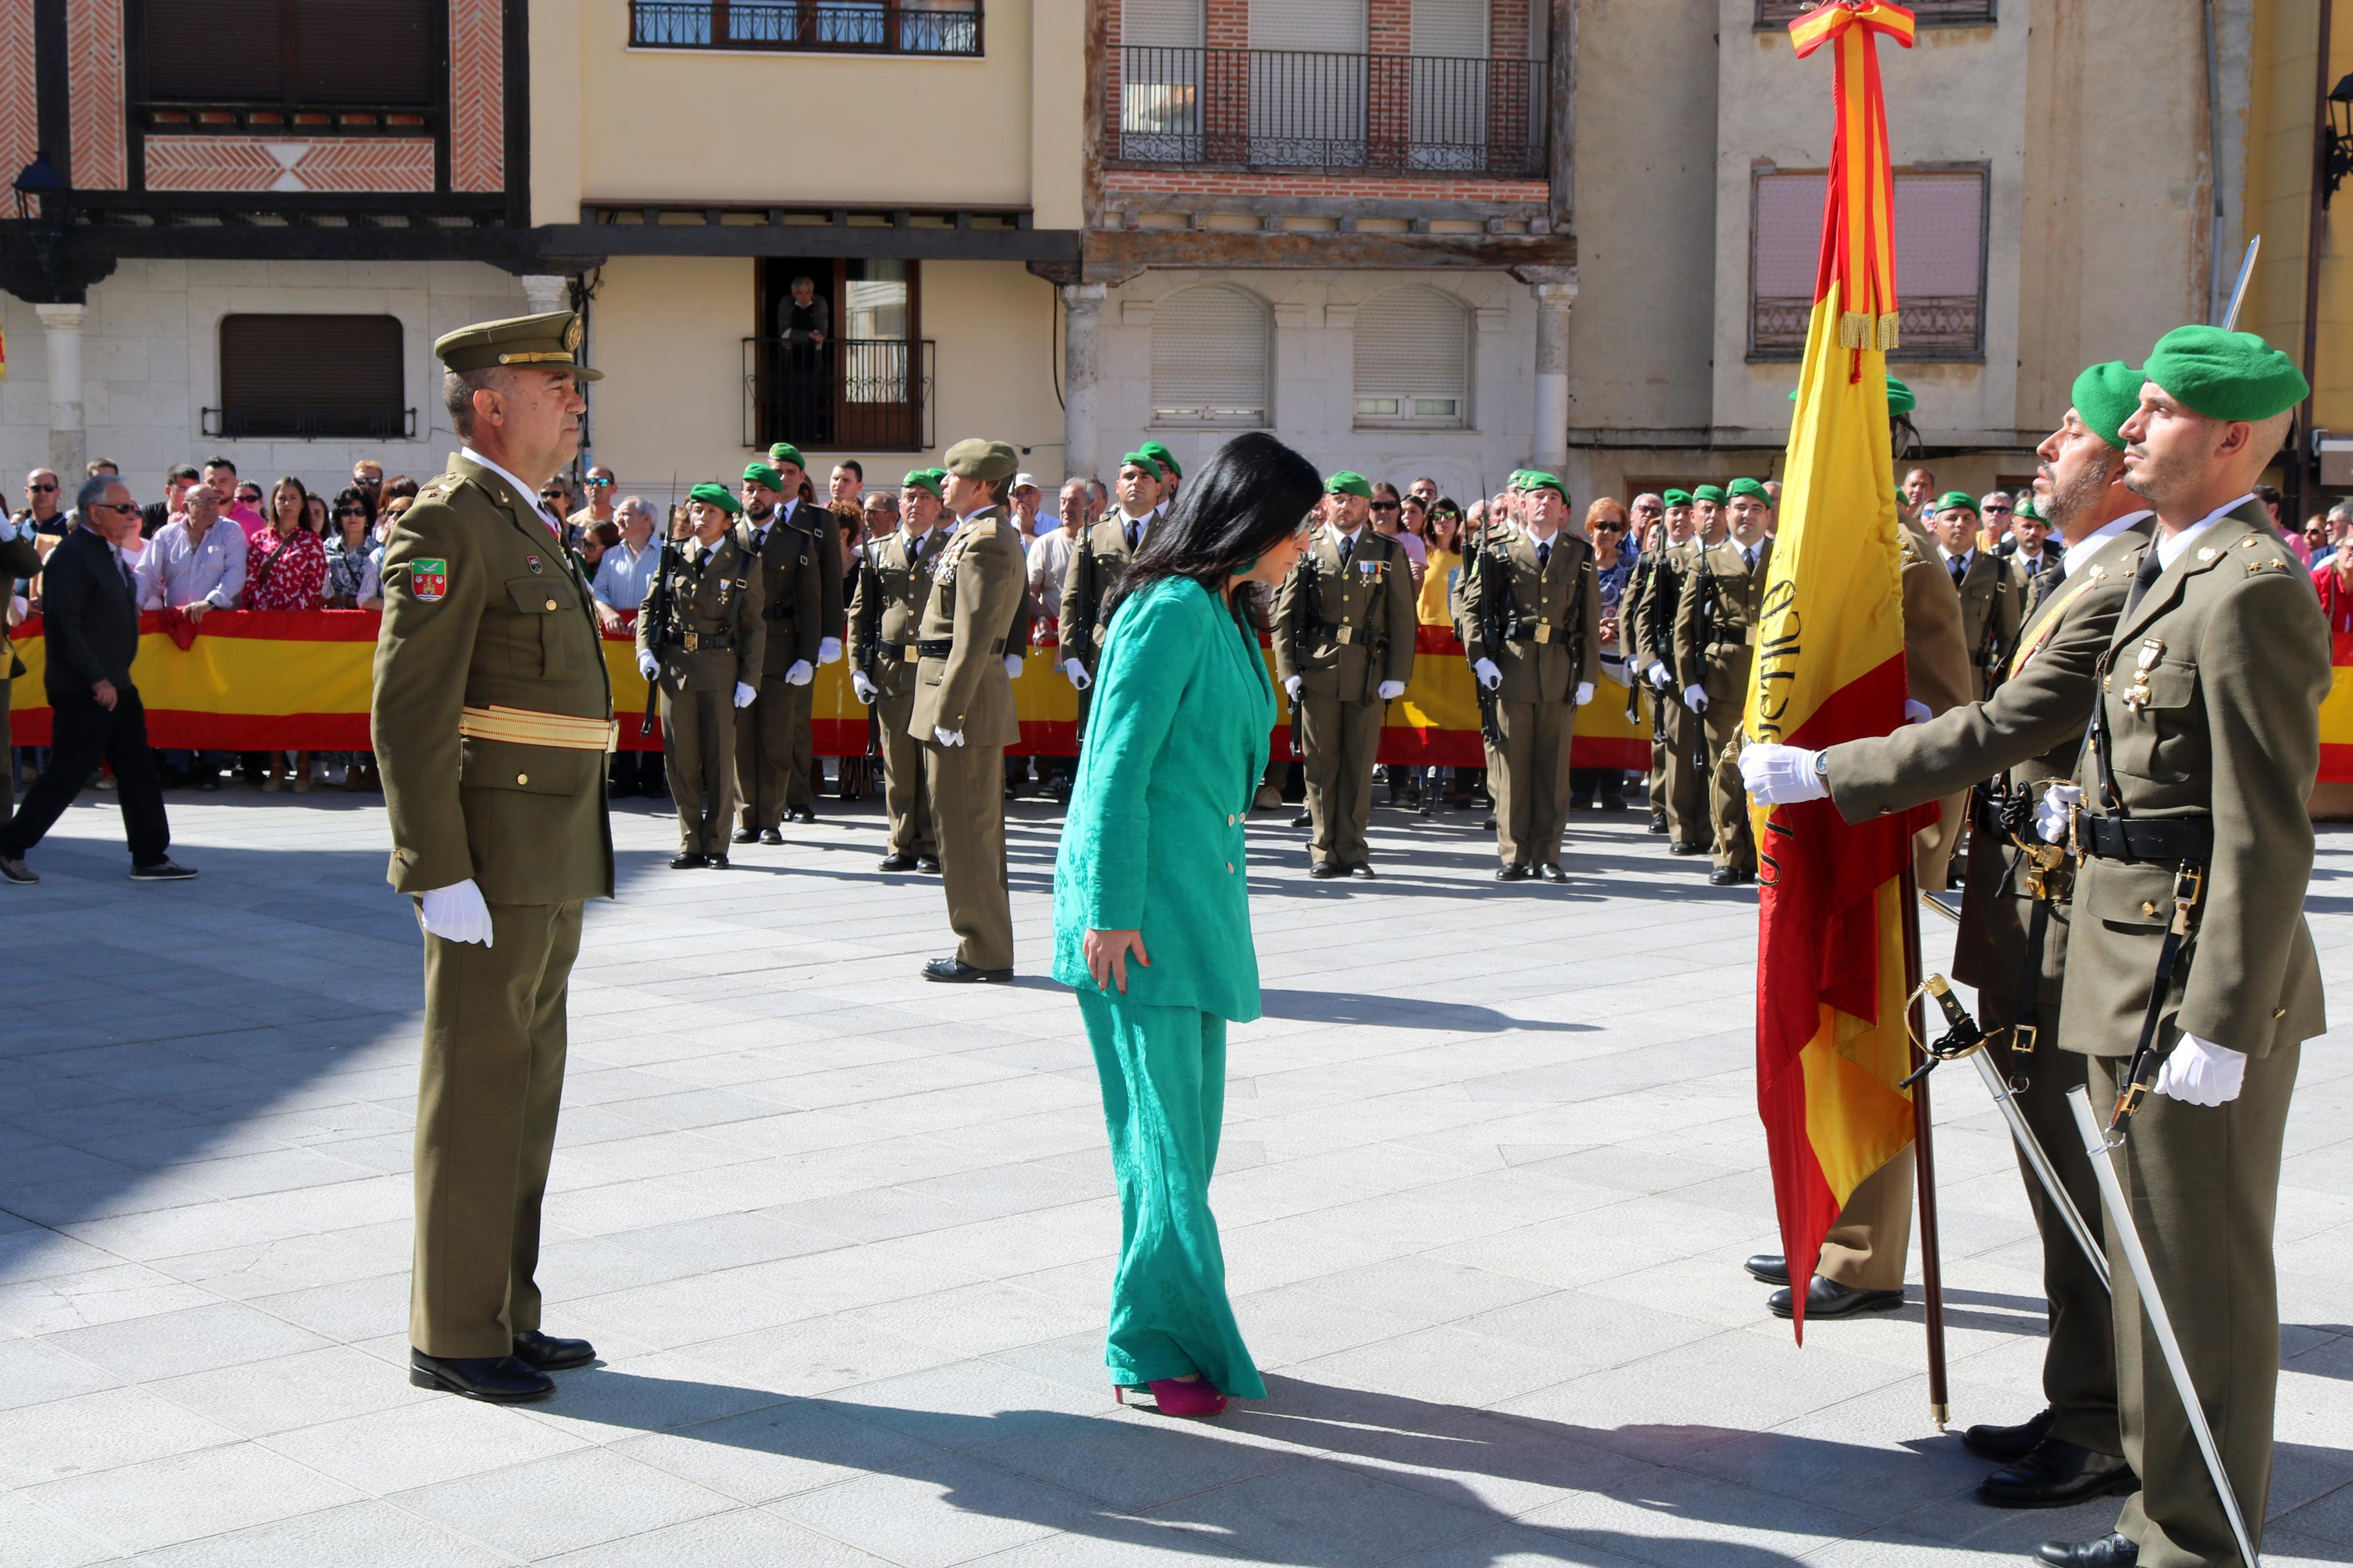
(2339, 151)
(37, 179)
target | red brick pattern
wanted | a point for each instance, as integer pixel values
(94, 78)
(20, 131)
(1507, 29)
(477, 159)
(1177, 184)
(1388, 25)
(250, 163)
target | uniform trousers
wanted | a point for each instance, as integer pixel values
(1728, 804)
(804, 775)
(1532, 787)
(765, 747)
(904, 795)
(83, 734)
(2203, 1184)
(967, 785)
(698, 753)
(1341, 739)
(1658, 779)
(1685, 785)
(1865, 1249)
(1164, 1088)
(487, 1093)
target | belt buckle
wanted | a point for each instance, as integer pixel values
(1347, 634)
(908, 654)
(693, 641)
(2023, 1038)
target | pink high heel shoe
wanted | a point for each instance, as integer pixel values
(1191, 1397)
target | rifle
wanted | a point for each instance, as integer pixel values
(869, 596)
(658, 612)
(1707, 608)
(1305, 617)
(1494, 625)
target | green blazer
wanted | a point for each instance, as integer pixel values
(1176, 739)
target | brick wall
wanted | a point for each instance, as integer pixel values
(1507, 29)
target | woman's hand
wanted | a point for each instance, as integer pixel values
(1107, 953)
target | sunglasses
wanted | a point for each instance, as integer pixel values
(1384, 505)
(248, 495)
(595, 483)
(113, 507)
(1609, 528)
(41, 489)
(351, 512)
(367, 481)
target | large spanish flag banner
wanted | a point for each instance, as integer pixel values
(1831, 1042)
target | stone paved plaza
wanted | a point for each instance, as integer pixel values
(843, 1238)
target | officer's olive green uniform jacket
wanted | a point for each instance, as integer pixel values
(1652, 625)
(1553, 640)
(2237, 656)
(893, 586)
(794, 566)
(512, 625)
(978, 588)
(716, 596)
(1992, 598)
(1721, 583)
(1372, 609)
(1087, 580)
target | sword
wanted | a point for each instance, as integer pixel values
(2239, 290)
(2098, 1145)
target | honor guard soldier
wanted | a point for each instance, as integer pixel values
(1532, 623)
(1679, 733)
(1101, 555)
(1173, 476)
(1343, 646)
(1990, 597)
(894, 584)
(800, 790)
(774, 731)
(2015, 918)
(1715, 649)
(964, 715)
(1649, 541)
(699, 636)
(491, 719)
(2190, 966)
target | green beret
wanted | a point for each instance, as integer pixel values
(1899, 397)
(1955, 500)
(1537, 480)
(1144, 461)
(1750, 487)
(2025, 508)
(2225, 375)
(1709, 492)
(2104, 398)
(1674, 498)
(551, 341)
(1162, 456)
(760, 473)
(1349, 482)
(977, 459)
(786, 452)
(717, 495)
(924, 480)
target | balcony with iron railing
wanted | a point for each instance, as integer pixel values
(818, 26)
(1928, 327)
(1775, 15)
(867, 394)
(1297, 110)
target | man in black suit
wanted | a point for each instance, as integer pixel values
(89, 612)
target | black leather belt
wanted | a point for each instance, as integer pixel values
(939, 648)
(2169, 840)
(695, 642)
(1337, 633)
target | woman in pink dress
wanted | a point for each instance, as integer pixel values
(287, 570)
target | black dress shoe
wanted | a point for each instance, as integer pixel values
(1362, 869)
(1768, 1268)
(1828, 1299)
(1515, 873)
(496, 1379)
(956, 972)
(715, 862)
(688, 860)
(930, 863)
(1490, 824)
(1327, 869)
(2008, 1444)
(1657, 822)
(746, 836)
(545, 1352)
(1723, 876)
(1682, 848)
(770, 835)
(1305, 819)
(165, 870)
(2057, 1475)
(1613, 803)
(900, 861)
(1551, 872)
(801, 813)
(2109, 1552)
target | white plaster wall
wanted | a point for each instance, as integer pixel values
(150, 362)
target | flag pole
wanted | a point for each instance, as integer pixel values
(1924, 1154)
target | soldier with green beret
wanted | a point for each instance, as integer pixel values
(1715, 649)
(1097, 561)
(1679, 791)
(788, 541)
(808, 775)
(491, 719)
(2205, 741)
(1992, 600)
(1753, 489)
(1343, 646)
(894, 582)
(964, 715)
(1172, 475)
(699, 643)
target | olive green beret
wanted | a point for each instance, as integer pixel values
(717, 495)
(1163, 455)
(786, 452)
(1537, 480)
(1144, 461)
(761, 474)
(923, 479)
(551, 341)
(1955, 500)
(1899, 397)
(1750, 487)
(1349, 482)
(1709, 492)
(2225, 375)
(2026, 508)
(979, 460)
(2104, 398)
(1674, 498)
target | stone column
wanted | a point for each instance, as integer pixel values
(547, 292)
(1554, 299)
(1081, 312)
(69, 442)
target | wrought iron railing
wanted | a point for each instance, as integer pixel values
(832, 27)
(1780, 14)
(252, 423)
(869, 394)
(1928, 326)
(1296, 109)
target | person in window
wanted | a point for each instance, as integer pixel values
(806, 323)
(286, 569)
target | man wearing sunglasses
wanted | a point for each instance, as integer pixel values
(41, 513)
(599, 508)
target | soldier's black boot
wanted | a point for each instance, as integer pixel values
(2003, 1445)
(2110, 1551)
(496, 1380)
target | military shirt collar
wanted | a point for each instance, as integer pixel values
(2169, 550)
(1967, 558)
(2084, 549)
(528, 495)
(1348, 538)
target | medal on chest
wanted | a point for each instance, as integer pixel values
(2137, 694)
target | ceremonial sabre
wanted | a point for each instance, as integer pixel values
(2096, 1145)
(2239, 290)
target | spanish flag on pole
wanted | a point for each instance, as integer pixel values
(1831, 992)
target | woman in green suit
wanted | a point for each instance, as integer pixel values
(1151, 906)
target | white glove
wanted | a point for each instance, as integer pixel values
(1487, 674)
(947, 737)
(800, 674)
(1392, 690)
(743, 694)
(1779, 775)
(828, 649)
(1915, 711)
(1584, 692)
(1076, 673)
(457, 913)
(1694, 698)
(1657, 676)
(863, 687)
(1012, 667)
(2051, 815)
(1290, 687)
(648, 666)
(2199, 1072)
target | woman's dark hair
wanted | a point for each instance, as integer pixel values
(1240, 505)
(348, 500)
(1443, 509)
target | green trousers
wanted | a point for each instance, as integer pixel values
(1163, 1088)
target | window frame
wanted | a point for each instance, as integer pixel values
(234, 420)
(1265, 412)
(1774, 16)
(645, 16)
(1465, 414)
(1903, 354)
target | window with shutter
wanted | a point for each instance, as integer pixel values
(304, 377)
(386, 53)
(1307, 83)
(1211, 360)
(1161, 64)
(1941, 262)
(1413, 361)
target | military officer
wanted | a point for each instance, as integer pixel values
(1096, 562)
(964, 715)
(1683, 784)
(2204, 743)
(893, 586)
(1532, 632)
(2014, 916)
(1990, 597)
(2041, 571)
(1173, 476)
(491, 719)
(1343, 646)
(771, 736)
(800, 789)
(1715, 649)
(698, 641)
(1646, 512)
(1708, 511)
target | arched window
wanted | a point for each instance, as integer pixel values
(1211, 360)
(1413, 359)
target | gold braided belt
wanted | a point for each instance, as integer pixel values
(526, 727)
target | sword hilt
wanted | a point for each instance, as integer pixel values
(1961, 1036)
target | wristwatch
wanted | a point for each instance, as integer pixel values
(1823, 767)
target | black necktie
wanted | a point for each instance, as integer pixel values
(2152, 568)
(1134, 533)
(1960, 569)
(1347, 548)
(1749, 555)
(1543, 556)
